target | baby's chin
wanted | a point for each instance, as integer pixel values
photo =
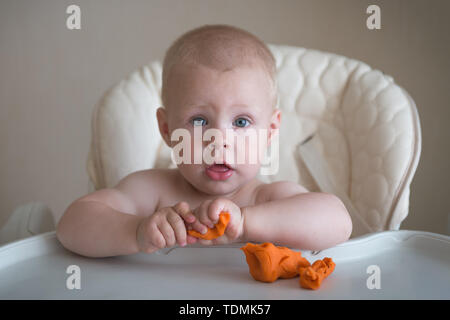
(204, 183)
(216, 188)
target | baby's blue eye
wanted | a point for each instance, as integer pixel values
(241, 122)
(198, 121)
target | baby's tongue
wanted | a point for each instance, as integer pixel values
(219, 167)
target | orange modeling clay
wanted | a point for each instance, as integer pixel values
(268, 262)
(217, 231)
(311, 277)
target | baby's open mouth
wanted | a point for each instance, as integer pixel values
(218, 171)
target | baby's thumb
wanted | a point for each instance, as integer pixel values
(182, 208)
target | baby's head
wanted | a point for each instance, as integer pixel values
(218, 77)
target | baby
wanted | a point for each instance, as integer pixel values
(214, 77)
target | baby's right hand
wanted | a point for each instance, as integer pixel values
(164, 228)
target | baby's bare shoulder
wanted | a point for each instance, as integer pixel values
(278, 190)
(147, 179)
(146, 187)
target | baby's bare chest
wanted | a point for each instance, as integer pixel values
(165, 188)
(242, 198)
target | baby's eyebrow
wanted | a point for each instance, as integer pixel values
(207, 106)
(195, 105)
(240, 105)
(190, 108)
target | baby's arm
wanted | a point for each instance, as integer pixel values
(285, 213)
(104, 223)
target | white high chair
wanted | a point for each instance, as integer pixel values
(365, 147)
(366, 133)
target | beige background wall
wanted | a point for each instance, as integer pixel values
(51, 77)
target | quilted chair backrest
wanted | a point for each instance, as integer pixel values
(365, 126)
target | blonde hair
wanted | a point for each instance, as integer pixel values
(221, 47)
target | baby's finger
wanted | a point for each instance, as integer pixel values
(222, 240)
(214, 210)
(168, 233)
(198, 226)
(202, 214)
(203, 217)
(191, 239)
(156, 237)
(178, 227)
(205, 242)
(182, 208)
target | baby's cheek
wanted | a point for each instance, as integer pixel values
(247, 152)
(195, 149)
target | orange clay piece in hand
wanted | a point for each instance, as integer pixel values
(268, 262)
(311, 277)
(217, 231)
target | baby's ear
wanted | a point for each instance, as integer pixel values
(275, 122)
(161, 115)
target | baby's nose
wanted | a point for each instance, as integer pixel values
(221, 138)
(217, 145)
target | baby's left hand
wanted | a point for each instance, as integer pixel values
(208, 214)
